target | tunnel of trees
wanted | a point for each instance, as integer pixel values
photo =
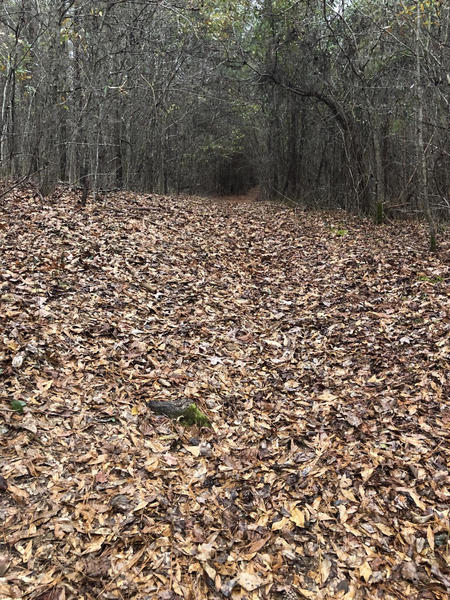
(335, 103)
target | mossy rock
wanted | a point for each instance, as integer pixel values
(187, 414)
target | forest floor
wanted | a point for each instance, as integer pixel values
(317, 344)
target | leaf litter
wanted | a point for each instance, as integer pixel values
(321, 361)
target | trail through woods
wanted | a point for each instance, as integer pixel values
(316, 343)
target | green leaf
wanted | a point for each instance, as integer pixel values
(18, 406)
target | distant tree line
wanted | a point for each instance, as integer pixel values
(330, 102)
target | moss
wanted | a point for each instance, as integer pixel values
(192, 415)
(339, 231)
(433, 280)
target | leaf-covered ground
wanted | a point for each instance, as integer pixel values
(316, 343)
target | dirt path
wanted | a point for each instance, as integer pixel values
(249, 198)
(318, 347)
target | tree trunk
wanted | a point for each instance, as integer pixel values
(421, 152)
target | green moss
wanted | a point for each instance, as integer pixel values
(433, 280)
(184, 411)
(192, 415)
(338, 231)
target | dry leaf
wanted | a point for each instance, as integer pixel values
(94, 545)
(385, 529)
(297, 517)
(257, 545)
(430, 537)
(204, 552)
(348, 494)
(367, 473)
(249, 581)
(5, 561)
(325, 567)
(29, 423)
(194, 450)
(417, 501)
(17, 493)
(210, 571)
(281, 524)
(365, 571)
(27, 552)
(343, 515)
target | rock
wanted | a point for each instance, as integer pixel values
(184, 410)
(174, 409)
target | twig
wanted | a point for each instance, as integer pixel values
(19, 182)
(14, 186)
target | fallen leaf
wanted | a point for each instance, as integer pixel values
(17, 493)
(257, 545)
(297, 517)
(135, 298)
(417, 501)
(279, 525)
(366, 474)
(249, 581)
(29, 423)
(5, 561)
(325, 567)
(430, 537)
(365, 571)
(94, 545)
(194, 450)
(385, 529)
(353, 420)
(204, 552)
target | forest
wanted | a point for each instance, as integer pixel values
(334, 103)
(224, 284)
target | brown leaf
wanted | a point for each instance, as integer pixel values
(17, 493)
(257, 545)
(298, 517)
(365, 571)
(29, 423)
(5, 561)
(249, 581)
(325, 567)
(53, 594)
(430, 537)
